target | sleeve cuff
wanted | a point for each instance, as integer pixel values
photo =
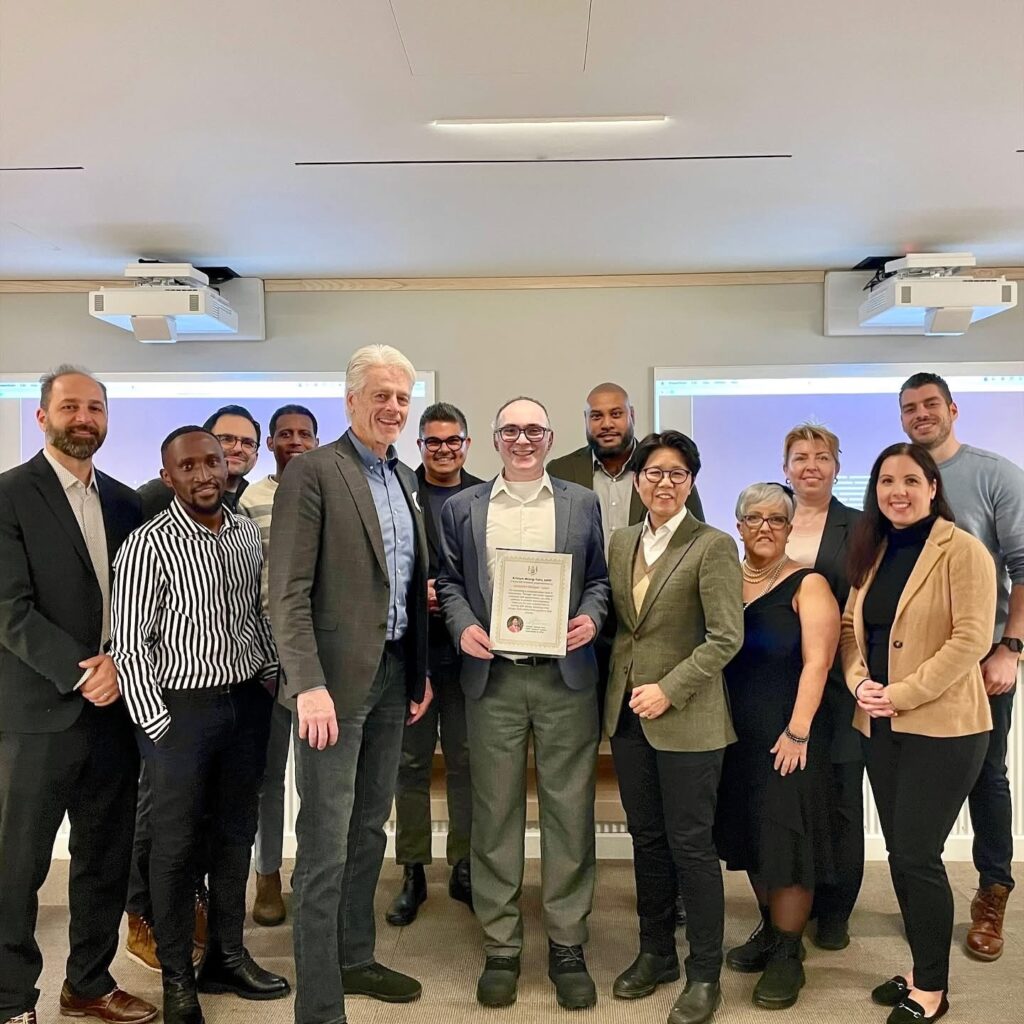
(155, 728)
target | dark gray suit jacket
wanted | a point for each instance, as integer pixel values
(578, 467)
(464, 591)
(329, 590)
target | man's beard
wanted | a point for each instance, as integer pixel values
(76, 447)
(602, 452)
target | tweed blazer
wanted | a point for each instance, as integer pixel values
(942, 630)
(329, 588)
(688, 629)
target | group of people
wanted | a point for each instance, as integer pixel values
(340, 609)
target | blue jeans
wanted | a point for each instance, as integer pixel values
(345, 794)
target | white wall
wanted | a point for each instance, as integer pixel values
(489, 346)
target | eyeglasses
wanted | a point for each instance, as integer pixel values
(655, 474)
(511, 433)
(230, 440)
(754, 521)
(434, 444)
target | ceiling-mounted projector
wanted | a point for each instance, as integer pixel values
(920, 293)
(169, 300)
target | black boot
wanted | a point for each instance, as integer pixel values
(783, 977)
(459, 885)
(406, 904)
(752, 956)
(236, 972)
(181, 1003)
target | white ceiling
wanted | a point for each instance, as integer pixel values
(904, 121)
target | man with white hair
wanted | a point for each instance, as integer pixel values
(348, 605)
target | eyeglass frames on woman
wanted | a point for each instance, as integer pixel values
(435, 444)
(753, 522)
(534, 433)
(655, 474)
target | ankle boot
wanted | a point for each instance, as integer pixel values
(406, 904)
(752, 956)
(779, 986)
(268, 909)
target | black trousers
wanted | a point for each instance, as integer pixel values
(990, 804)
(88, 772)
(920, 784)
(209, 765)
(835, 900)
(669, 798)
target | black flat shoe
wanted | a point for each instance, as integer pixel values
(831, 934)
(891, 992)
(911, 1012)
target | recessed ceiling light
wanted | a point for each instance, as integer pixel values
(602, 120)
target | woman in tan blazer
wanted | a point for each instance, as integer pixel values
(918, 621)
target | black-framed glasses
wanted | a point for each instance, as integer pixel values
(230, 440)
(510, 433)
(435, 444)
(754, 522)
(655, 474)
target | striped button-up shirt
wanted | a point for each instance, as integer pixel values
(186, 612)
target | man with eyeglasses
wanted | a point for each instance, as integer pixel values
(513, 699)
(238, 434)
(443, 443)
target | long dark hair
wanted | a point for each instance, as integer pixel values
(872, 525)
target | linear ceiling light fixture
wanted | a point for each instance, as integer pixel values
(599, 120)
(75, 168)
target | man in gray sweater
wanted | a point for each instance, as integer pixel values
(986, 493)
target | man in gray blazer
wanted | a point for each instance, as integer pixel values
(348, 605)
(514, 698)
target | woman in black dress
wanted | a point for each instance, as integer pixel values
(773, 816)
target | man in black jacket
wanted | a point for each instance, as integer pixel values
(444, 444)
(66, 743)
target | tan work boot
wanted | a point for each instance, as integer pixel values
(141, 945)
(985, 936)
(268, 909)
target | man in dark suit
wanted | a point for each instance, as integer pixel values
(348, 606)
(511, 698)
(444, 444)
(66, 743)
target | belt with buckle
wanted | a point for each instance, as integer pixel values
(532, 660)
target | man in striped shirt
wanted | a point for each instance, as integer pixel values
(193, 649)
(293, 430)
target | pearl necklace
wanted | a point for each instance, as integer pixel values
(770, 573)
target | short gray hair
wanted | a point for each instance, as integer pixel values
(371, 356)
(762, 494)
(64, 370)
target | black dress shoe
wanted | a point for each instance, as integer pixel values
(459, 885)
(891, 992)
(680, 911)
(696, 1003)
(567, 969)
(407, 903)
(779, 986)
(240, 975)
(497, 984)
(181, 1003)
(644, 975)
(832, 933)
(380, 982)
(911, 1012)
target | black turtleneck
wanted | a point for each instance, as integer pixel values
(902, 549)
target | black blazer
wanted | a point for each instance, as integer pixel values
(51, 608)
(837, 701)
(578, 468)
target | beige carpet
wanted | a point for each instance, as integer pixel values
(442, 949)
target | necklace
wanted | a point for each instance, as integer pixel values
(770, 574)
(752, 575)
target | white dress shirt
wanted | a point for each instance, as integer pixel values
(655, 541)
(521, 515)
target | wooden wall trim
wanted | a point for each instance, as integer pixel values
(443, 284)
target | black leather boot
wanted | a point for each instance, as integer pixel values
(783, 976)
(406, 904)
(236, 972)
(460, 886)
(181, 1003)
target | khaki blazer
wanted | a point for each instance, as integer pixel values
(688, 629)
(942, 630)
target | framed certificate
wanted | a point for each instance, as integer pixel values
(530, 602)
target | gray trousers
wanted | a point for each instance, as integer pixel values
(270, 834)
(447, 716)
(521, 703)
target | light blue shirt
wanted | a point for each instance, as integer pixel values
(397, 529)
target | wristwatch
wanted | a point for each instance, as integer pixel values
(1014, 643)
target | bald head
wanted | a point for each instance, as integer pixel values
(610, 422)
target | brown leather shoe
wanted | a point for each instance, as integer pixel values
(116, 1007)
(268, 910)
(28, 1017)
(985, 936)
(141, 945)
